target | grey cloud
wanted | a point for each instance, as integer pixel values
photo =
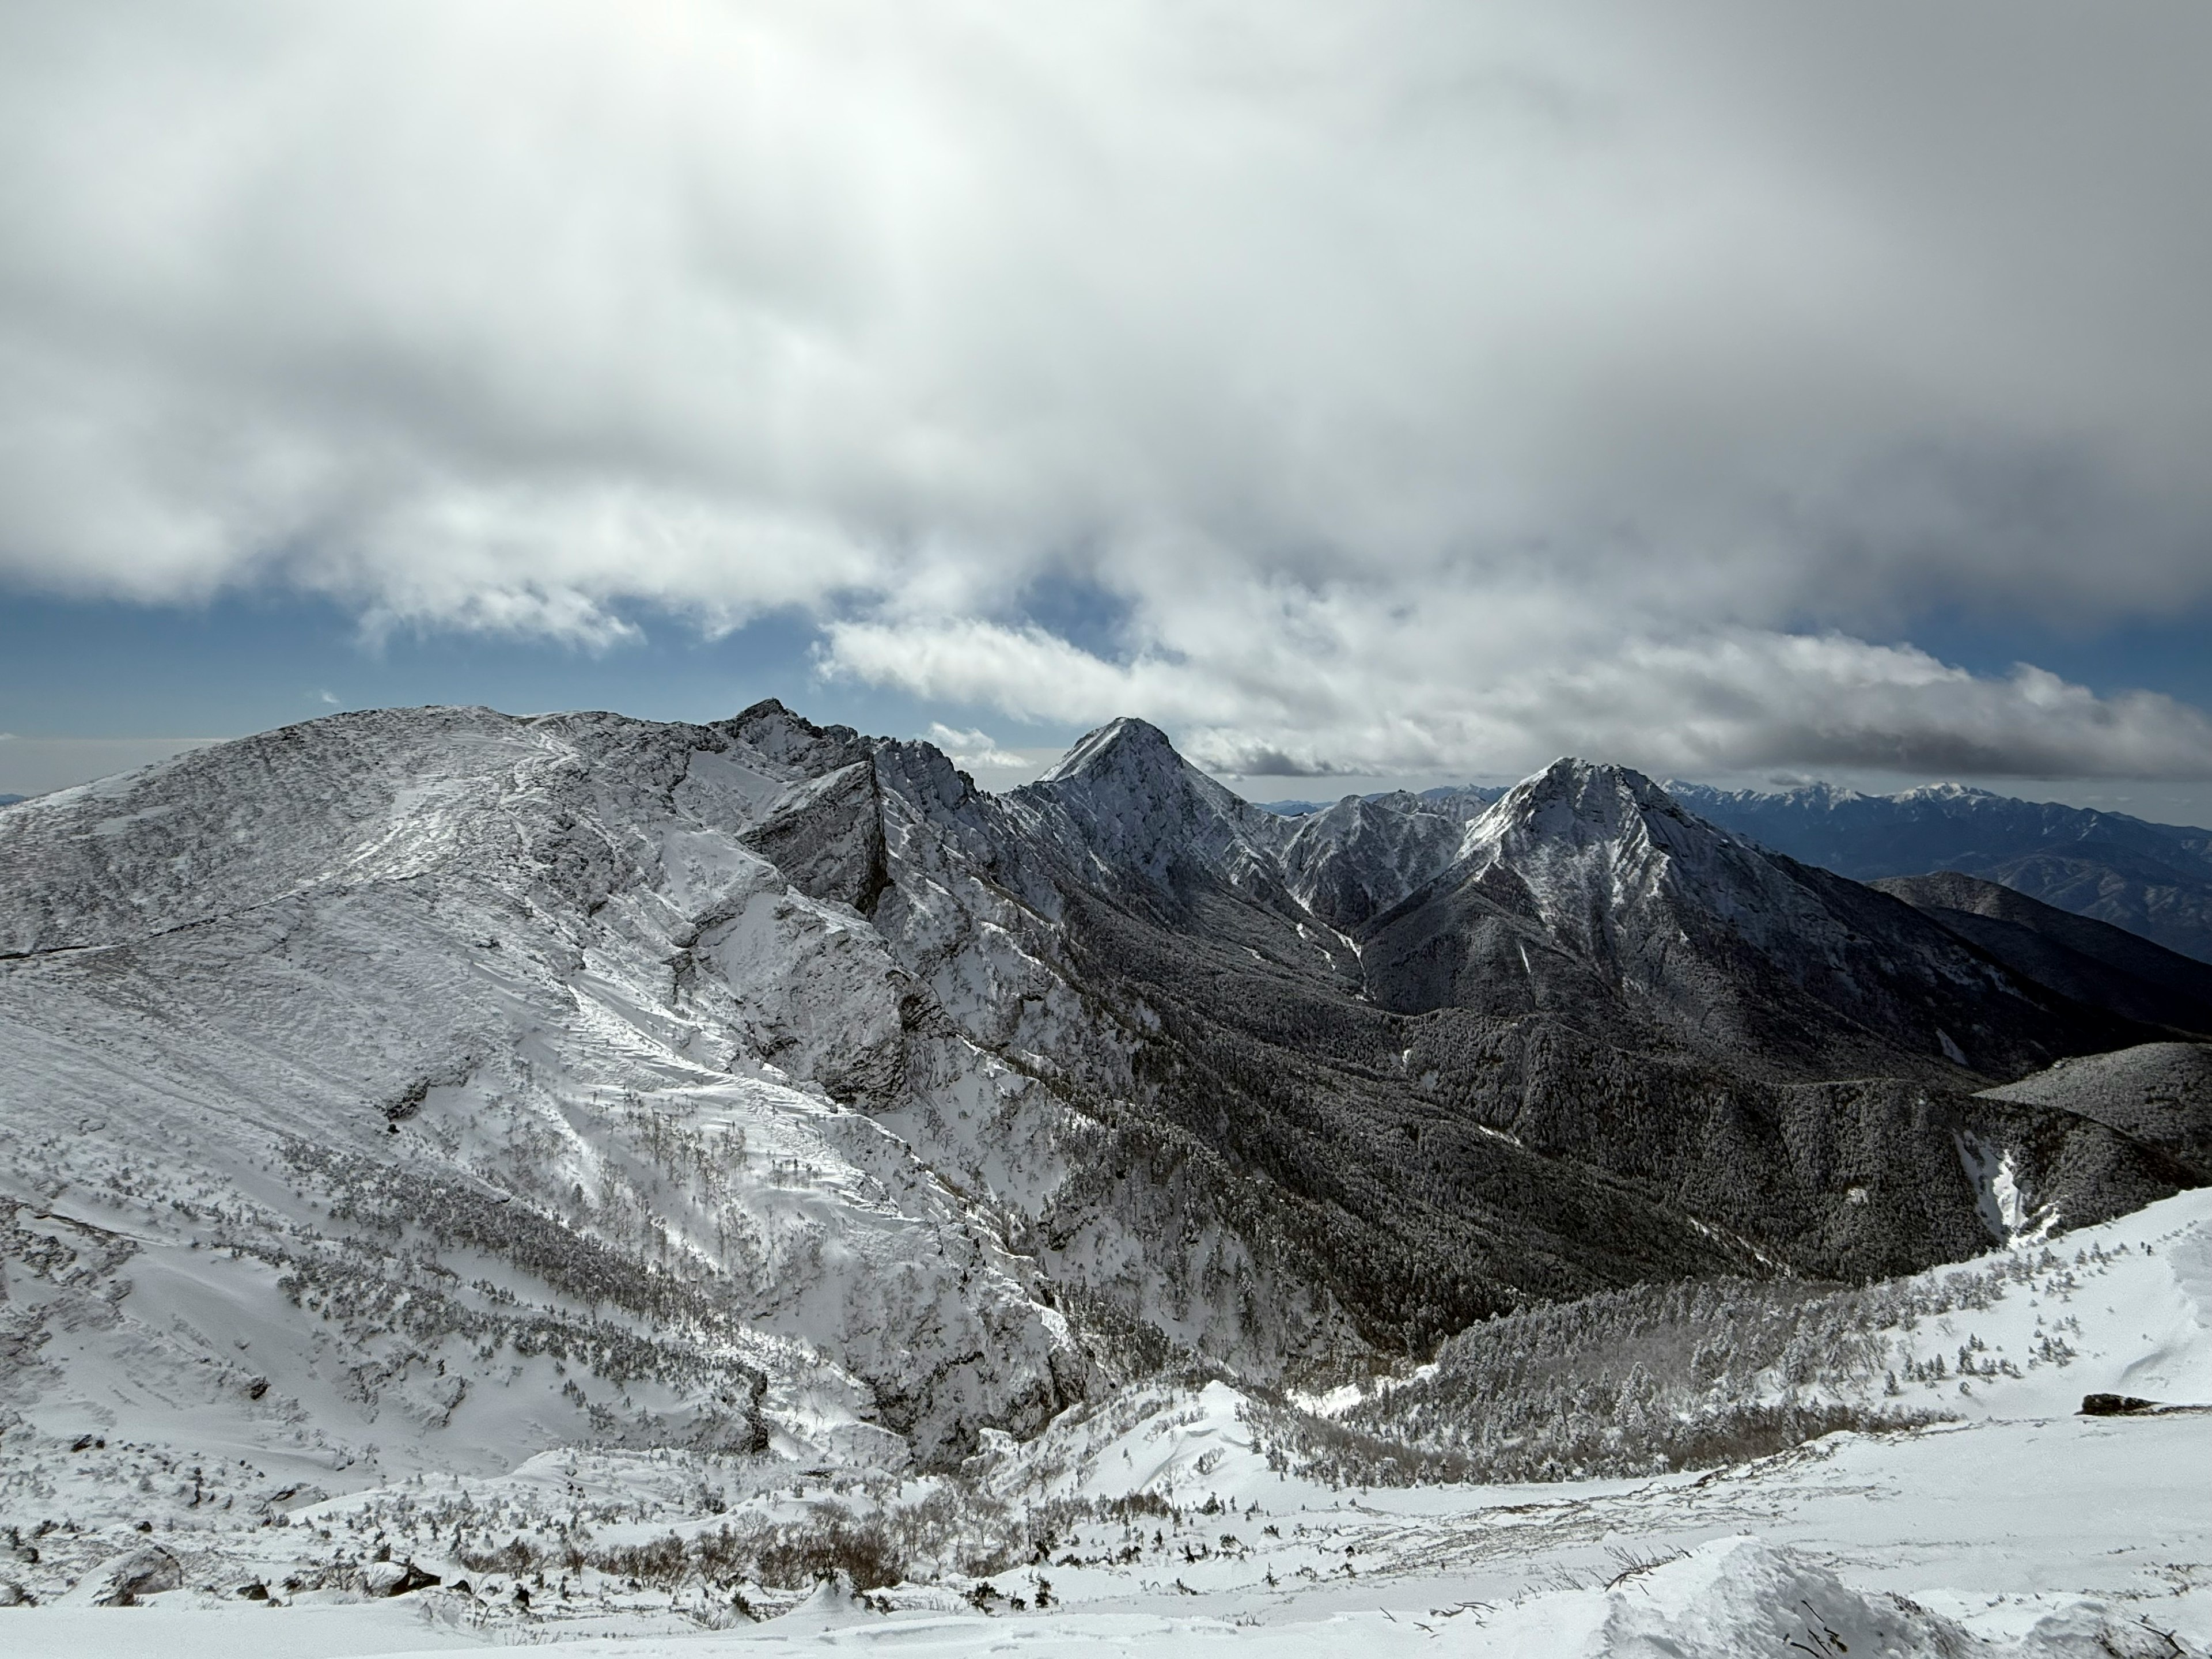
(1399, 371)
(1396, 704)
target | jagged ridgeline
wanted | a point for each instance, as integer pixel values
(430, 1087)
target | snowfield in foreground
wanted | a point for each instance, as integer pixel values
(2018, 1529)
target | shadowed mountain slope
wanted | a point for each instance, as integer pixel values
(2159, 1093)
(2091, 961)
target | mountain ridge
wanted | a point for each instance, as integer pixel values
(885, 1112)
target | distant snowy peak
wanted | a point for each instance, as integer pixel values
(1134, 805)
(1580, 807)
(1930, 803)
(1130, 769)
(1463, 801)
(773, 732)
(1123, 748)
(2153, 879)
(1599, 853)
(1820, 793)
(1571, 791)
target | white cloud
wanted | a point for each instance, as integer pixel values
(1392, 699)
(972, 748)
(1410, 380)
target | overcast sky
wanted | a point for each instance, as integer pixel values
(1358, 390)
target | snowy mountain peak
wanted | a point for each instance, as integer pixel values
(1579, 800)
(1125, 747)
(1946, 791)
(777, 734)
(1818, 792)
(1359, 857)
(1587, 843)
(1138, 806)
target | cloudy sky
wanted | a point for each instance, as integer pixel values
(1389, 390)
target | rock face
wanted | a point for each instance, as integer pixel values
(2115, 1404)
(395, 1578)
(506, 1083)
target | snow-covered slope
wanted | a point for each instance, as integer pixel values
(1164, 1522)
(1124, 806)
(1359, 857)
(469, 1051)
(1592, 877)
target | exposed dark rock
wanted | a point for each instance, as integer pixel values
(2115, 1404)
(146, 1572)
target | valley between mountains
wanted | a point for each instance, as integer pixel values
(639, 1168)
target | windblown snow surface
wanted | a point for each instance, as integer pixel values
(2019, 1528)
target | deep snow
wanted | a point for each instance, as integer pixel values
(2022, 1528)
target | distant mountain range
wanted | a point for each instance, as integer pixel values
(584, 1079)
(10, 800)
(2153, 879)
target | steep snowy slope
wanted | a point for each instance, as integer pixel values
(1619, 889)
(489, 1051)
(1351, 860)
(1123, 807)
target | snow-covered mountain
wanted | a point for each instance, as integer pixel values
(1126, 807)
(489, 1056)
(2153, 879)
(418, 1090)
(1596, 886)
(1350, 862)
